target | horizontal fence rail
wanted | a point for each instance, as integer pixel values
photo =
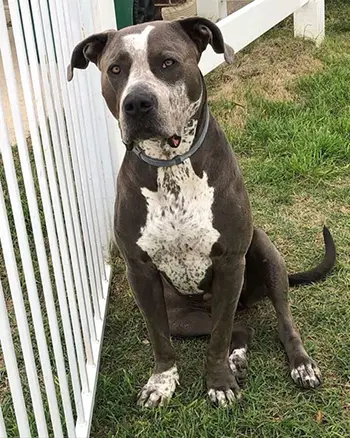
(57, 170)
(253, 20)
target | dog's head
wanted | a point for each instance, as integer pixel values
(150, 76)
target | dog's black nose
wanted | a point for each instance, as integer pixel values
(138, 103)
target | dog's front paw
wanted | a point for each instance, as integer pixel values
(159, 388)
(306, 374)
(223, 388)
(223, 398)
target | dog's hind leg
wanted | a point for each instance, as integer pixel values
(271, 270)
(189, 323)
(187, 317)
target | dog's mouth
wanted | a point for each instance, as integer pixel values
(152, 133)
(174, 141)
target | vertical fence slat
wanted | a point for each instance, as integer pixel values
(309, 21)
(213, 9)
(12, 371)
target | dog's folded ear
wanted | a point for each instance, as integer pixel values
(88, 50)
(204, 32)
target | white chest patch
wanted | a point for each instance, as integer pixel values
(179, 233)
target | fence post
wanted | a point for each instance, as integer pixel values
(309, 21)
(213, 9)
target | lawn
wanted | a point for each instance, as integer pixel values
(285, 107)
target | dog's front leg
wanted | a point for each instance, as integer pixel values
(147, 287)
(227, 284)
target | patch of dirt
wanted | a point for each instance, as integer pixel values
(235, 5)
(6, 98)
(306, 210)
(309, 212)
(268, 69)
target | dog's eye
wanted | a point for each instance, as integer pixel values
(168, 63)
(115, 69)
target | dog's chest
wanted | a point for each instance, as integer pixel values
(179, 233)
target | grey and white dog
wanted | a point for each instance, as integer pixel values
(183, 221)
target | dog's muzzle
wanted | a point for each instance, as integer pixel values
(139, 104)
(140, 117)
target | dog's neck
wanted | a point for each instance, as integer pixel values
(160, 149)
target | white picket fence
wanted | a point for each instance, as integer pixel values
(60, 152)
(55, 219)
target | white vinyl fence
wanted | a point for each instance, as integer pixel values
(58, 166)
(249, 23)
(60, 153)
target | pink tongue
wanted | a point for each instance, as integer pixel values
(176, 141)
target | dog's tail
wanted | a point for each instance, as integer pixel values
(321, 271)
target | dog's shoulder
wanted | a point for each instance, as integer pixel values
(130, 208)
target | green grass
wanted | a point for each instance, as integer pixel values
(295, 155)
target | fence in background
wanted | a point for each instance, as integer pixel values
(252, 21)
(56, 200)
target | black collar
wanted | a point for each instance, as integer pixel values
(179, 158)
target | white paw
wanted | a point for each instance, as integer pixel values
(307, 375)
(237, 358)
(159, 388)
(223, 398)
(238, 363)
